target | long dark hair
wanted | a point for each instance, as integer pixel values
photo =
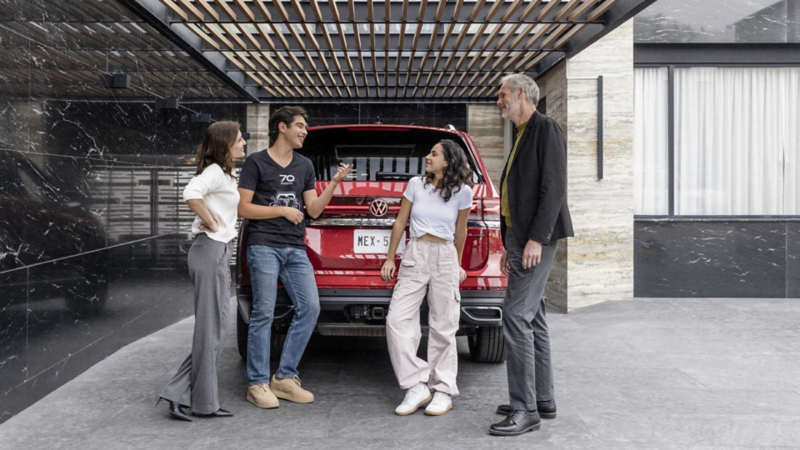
(219, 138)
(456, 173)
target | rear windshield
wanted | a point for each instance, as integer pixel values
(376, 155)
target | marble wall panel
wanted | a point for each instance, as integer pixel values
(719, 21)
(450, 114)
(91, 129)
(77, 301)
(258, 127)
(14, 123)
(14, 106)
(416, 114)
(793, 259)
(429, 115)
(93, 229)
(65, 315)
(327, 114)
(178, 137)
(711, 259)
(554, 87)
(46, 204)
(14, 330)
(597, 264)
(66, 205)
(485, 127)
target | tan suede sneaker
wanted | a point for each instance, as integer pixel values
(290, 389)
(261, 396)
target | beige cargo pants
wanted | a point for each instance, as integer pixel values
(430, 268)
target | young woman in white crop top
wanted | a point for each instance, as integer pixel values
(213, 195)
(438, 204)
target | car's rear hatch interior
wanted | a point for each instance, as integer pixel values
(387, 153)
(384, 158)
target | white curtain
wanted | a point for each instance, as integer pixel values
(736, 141)
(650, 141)
(791, 125)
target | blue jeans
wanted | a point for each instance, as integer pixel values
(292, 265)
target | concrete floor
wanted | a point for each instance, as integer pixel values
(644, 374)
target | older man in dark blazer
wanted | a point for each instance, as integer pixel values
(535, 216)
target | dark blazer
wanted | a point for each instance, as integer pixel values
(537, 184)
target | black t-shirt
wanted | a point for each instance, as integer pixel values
(274, 185)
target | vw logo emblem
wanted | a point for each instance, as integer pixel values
(378, 208)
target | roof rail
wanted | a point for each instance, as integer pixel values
(450, 127)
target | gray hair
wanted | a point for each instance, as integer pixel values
(521, 81)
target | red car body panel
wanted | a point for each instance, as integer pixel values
(330, 249)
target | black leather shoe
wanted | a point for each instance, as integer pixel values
(220, 413)
(518, 422)
(547, 410)
(175, 410)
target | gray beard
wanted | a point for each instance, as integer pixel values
(511, 112)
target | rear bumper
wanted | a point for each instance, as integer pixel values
(478, 308)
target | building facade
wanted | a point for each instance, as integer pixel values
(717, 149)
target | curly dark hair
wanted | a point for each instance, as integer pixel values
(215, 148)
(456, 173)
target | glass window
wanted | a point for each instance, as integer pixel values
(651, 141)
(719, 21)
(736, 141)
(736, 137)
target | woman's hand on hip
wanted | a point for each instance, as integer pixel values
(212, 227)
(388, 270)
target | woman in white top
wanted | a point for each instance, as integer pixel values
(438, 204)
(213, 195)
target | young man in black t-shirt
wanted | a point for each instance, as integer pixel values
(275, 185)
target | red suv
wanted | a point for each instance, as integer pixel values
(348, 242)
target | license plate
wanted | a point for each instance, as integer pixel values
(375, 241)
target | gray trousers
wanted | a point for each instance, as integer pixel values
(527, 342)
(195, 383)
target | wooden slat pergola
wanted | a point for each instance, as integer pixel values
(390, 50)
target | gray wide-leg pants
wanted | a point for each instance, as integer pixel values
(195, 383)
(527, 341)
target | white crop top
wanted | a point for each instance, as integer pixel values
(220, 193)
(430, 214)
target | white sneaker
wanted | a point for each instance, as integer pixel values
(415, 397)
(441, 404)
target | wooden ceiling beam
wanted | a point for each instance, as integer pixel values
(422, 7)
(343, 40)
(203, 35)
(581, 9)
(172, 6)
(208, 9)
(562, 13)
(192, 9)
(357, 35)
(442, 48)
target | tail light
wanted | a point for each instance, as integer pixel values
(486, 209)
(491, 209)
(476, 213)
